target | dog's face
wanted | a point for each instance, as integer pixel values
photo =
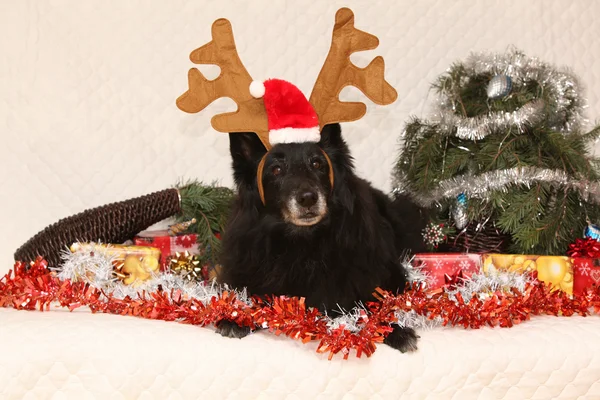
(296, 183)
(295, 176)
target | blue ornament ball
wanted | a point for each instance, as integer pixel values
(499, 86)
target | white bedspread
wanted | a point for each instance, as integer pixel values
(78, 355)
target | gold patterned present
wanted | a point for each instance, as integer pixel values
(555, 270)
(132, 264)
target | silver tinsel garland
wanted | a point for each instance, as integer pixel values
(478, 186)
(479, 127)
(563, 95)
(415, 276)
(480, 285)
(413, 320)
(95, 267)
(348, 319)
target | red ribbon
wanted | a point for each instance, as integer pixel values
(454, 280)
(584, 248)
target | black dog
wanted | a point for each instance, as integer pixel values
(333, 246)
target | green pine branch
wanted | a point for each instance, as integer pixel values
(210, 205)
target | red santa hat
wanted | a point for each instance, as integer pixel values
(292, 119)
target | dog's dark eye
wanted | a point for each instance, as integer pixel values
(276, 170)
(316, 164)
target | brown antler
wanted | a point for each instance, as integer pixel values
(339, 72)
(233, 82)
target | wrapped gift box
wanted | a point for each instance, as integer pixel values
(586, 274)
(555, 270)
(169, 245)
(132, 264)
(441, 266)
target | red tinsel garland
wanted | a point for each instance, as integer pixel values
(34, 287)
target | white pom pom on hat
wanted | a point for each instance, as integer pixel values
(257, 89)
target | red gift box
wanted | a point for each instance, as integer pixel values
(438, 266)
(169, 245)
(586, 274)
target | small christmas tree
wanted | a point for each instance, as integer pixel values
(504, 161)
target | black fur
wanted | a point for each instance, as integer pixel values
(232, 330)
(338, 261)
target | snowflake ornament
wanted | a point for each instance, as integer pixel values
(433, 234)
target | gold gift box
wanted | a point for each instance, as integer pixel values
(555, 270)
(132, 264)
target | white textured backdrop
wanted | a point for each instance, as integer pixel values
(88, 89)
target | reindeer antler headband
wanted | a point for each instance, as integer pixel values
(260, 104)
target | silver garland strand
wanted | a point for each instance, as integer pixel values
(415, 276)
(561, 87)
(479, 127)
(480, 285)
(410, 319)
(478, 186)
(95, 267)
(348, 319)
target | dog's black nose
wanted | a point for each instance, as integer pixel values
(307, 199)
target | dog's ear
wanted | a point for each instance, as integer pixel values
(246, 151)
(336, 148)
(331, 137)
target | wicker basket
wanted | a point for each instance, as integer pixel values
(486, 239)
(112, 223)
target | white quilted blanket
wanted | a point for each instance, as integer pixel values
(88, 116)
(80, 355)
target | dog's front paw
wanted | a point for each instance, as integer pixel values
(232, 330)
(403, 339)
